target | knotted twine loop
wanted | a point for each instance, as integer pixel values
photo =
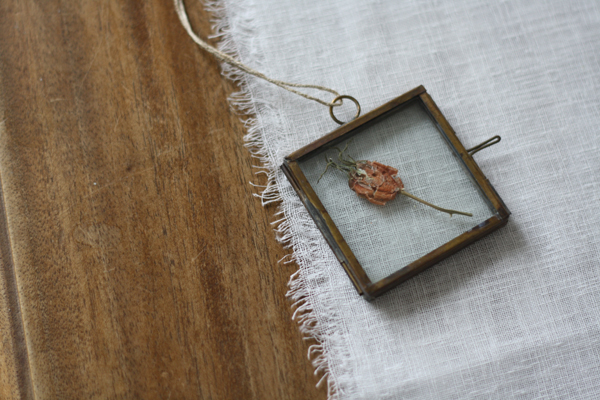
(223, 57)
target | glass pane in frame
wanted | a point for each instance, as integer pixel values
(379, 139)
(387, 238)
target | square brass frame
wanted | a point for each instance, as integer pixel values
(331, 233)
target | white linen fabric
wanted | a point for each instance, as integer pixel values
(516, 315)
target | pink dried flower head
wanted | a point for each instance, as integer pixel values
(375, 182)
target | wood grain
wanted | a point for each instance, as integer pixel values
(135, 261)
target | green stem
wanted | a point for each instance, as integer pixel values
(404, 192)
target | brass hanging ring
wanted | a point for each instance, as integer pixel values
(333, 104)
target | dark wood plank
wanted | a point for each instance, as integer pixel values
(15, 382)
(135, 255)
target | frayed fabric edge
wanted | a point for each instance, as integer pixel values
(249, 111)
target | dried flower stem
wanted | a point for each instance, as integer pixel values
(374, 181)
(451, 212)
(346, 165)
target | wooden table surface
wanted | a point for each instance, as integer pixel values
(135, 261)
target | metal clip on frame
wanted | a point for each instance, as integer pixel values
(490, 142)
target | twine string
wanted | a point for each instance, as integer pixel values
(223, 57)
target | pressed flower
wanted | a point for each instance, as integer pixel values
(376, 182)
